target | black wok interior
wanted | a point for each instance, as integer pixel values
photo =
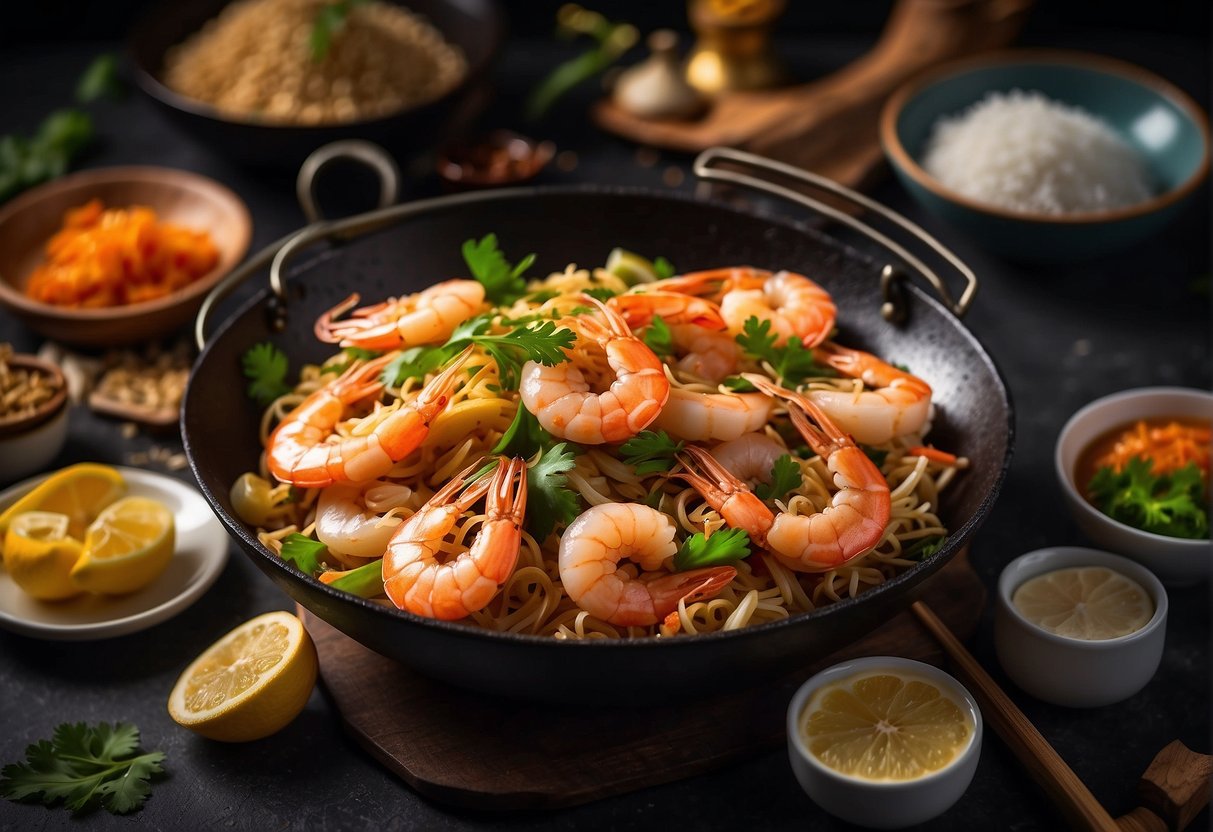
(973, 418)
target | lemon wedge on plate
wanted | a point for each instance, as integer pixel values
(126, 547)
(78, 491)
(885, 727)
(1089, 603)
(249, 684)
(39, 554)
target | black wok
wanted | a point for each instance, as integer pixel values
(420, 243)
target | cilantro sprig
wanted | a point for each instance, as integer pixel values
(649, 452)
(793, 362)
(724, 546)
(83, 765)
(785, 476)
(265, 366)
(1172, 504)
(503, 283)
(544, 343)
(549, 500)
(923, 548)
(525, 437)
(415, 362)
(659, 338)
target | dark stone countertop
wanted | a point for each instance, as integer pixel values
(1062, 336)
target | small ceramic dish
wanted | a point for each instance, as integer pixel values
(177, 196)
(1070, 671)
(201, 552)
(877, 804)
(1157, 119)
(1175, 560)
(29, 443)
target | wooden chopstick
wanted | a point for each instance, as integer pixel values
(1048, 769)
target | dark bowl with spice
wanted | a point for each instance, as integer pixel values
(272, 131)
(1175, 560)
(33, 414)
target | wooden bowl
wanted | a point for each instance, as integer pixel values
(177, 196)
(29, 443)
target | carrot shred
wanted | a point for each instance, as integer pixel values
(118, 256)
(1170, 446)
(933, 454)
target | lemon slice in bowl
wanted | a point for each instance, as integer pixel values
(78, 491)
(127, 547)
(1089, 603)
(39, 554)
(885, 727)
(250, 683)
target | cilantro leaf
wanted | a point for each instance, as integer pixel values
(524, 437)
(785, 476)
(601, 293)
(549, 499)
(738, 384)
(724, 546)
(659, 338)
(649, 452)
(100, 80)
(365, 581)
(793, 362)
(544, 343)
(302, 551)
(923, 548)
(503, 283)
(415, 362)
(663, 268)
(265, 366)
(82, 765)
(329, 20)
(1172, 504)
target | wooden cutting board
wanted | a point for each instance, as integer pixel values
(475, 752)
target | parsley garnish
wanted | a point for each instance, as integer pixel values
(302, 551)
(524, 437)
(84, 764)
(1171, 504)
(739, 384)
(659, 338)
(663, 268)
(503, 283)
(100, 80)
(544, 344)
(601, 293)
(330, 20)
(724, 546)
(785, 476)
(26, 162)
(266, 367)
(649, 452)
(415, 362)
(549, 500)
(793, 362)
(924, 548)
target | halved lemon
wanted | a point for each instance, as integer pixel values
(127, 547)
(78, 491)
(1084, 602)
(249, 684)
(39, 554)
(885, 726)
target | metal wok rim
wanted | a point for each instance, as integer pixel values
(956, 537)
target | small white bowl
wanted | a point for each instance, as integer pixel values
(1070, 671)
(875, 804)
(1176, 561)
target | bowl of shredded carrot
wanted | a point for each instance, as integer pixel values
(120, 255)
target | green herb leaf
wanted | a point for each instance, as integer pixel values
(304, 552)
(663, 268)
(503, 283)
(793, 362)
(82, 765)
(265, 366)
(1171, 504)
(739, 384)
(601, 293)
(100, 80)
(26, 162)
(785, 476)
(649, 452)
(923, 548)
(877, 456)
(550, 502)
(330, 19)
(415, 362)
(543, 343)
(524, 437)
(613, 39)
(724, 546)
(366, 581)
(659, 338)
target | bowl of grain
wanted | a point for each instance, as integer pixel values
(33, 414)
(1044, 155)
(266, 82)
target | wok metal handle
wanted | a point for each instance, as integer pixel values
(893, 308)
(276, 253)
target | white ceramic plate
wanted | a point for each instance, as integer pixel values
(202, 547)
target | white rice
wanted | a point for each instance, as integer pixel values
(1024, 152)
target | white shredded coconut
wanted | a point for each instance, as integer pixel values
(1025, 152)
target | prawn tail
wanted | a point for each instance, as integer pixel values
(437, 392)
(688, 587)
(326, 329)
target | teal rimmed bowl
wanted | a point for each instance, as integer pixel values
(1159, 120)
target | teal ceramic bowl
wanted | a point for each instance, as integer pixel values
(1160, 121)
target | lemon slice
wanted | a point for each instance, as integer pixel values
(126, 548)
(79, 491)
(39, 554)
(884, 727)
(1090, 603)
(631, 267)
(250, 683)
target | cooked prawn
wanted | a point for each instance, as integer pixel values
(705, 353)
(639, 308)
(895, 404)
(422, 318)
(750, 456)
(350, 517)
(701, 417)
(414, 577)
(304, 451)
(852, 524)
(562, 399)
(592, 546)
